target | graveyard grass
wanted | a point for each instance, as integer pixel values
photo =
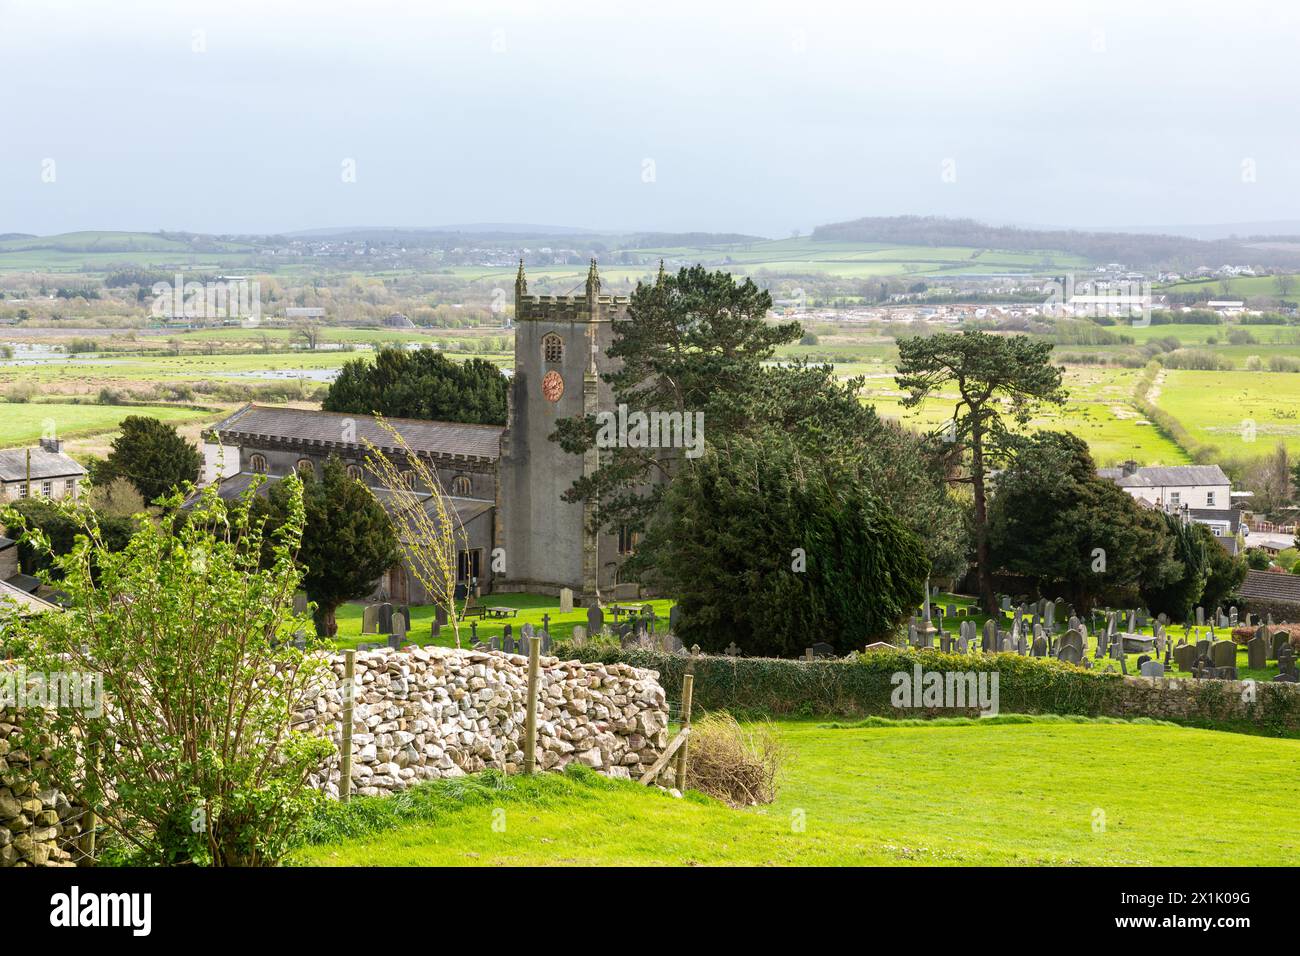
(1046, 791)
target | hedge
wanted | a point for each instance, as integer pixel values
(862, 686)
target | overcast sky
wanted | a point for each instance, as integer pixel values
(239, 116)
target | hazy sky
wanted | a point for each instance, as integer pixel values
(239, 116)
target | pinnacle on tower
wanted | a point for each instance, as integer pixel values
(593, 282)
(521, 283)
(660, 278)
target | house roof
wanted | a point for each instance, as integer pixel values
(45, 464)
(325, 430)
(26, 603)
(1231, 515)
(1163, 476)
(1271, 586)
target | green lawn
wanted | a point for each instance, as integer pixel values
(531, 609)
(23, 424)
(1046, 792)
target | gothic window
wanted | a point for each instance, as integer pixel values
(354, 471)
(258, 464)
(552, 348)
(305, 467)
(460, 485)
(627, 540)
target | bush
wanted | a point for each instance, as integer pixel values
(735, 764)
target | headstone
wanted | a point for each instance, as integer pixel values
(566, 600)
(595, 619)
(821, 650)
(508, 639)
(1200, 616)
(399, 628)
(579, 637)
(1279, 640)
(1040, 647)
(1185, 657)
(1152, 669)
(384, 618)
(1288, 673)
(1224, 654)
(1256, 653)
(732, 650)
(990, 636)
(440, 615)
(1232, 616)
(1069, 653)
(369, 619)
(299, 602)
(674, 617)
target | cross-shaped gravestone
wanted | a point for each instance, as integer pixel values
(732, 650)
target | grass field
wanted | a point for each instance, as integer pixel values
(1099, 410)
(23, 424)
(1044, 792)
(1219, 408)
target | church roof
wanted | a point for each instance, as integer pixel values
(326, 430)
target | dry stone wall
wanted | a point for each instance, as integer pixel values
(428, 713)
(37, 827)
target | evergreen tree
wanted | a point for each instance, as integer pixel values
(423, 384)
(152, 456)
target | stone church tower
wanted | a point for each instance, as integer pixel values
(560, 354)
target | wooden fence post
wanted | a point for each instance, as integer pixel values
(530, 725)
(349, 695)
(688, 688)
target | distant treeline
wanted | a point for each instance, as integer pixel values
(1131, 249)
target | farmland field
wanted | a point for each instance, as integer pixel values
(982, 793)
(23, 424)
(1220, 408)
(1099, 410)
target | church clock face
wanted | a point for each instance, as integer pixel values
(552, 386)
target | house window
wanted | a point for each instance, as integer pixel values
(258, 464)
(1175, 498)
(460, 485)
(70, 488)
(1209, 499)
(552, 348)
(22, 489)
(626, 540)
(305, 467)
(467, 565)
(47, 489)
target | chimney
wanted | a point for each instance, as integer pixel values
(1129, 467)
(52, 444)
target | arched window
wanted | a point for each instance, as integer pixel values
(408, 478)
(460, 485)
(552, 348)
(354, 471)
(258, 464)
(305, 467)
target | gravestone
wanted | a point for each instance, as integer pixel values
(579, 637)
(1279, 640)
(595, 619)
(399, 629)
(508, 639)
(1185, 656)
(674, 617)
(1224, 654)
(1200, 616)
(822, 651)
(435, 628)
(1152, 669)
(566, 600)
(732, 650)
(1040, 647)
(1256, 653)
(1232, 616)
(1288, 673)
(369, 619)
(440, 615)
(1069, 653)
(990, 636)
(299, 602)
(384, 618)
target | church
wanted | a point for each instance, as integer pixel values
(504, 484)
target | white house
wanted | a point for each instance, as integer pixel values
(1195, 486)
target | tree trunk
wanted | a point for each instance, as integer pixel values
(325, 623)
(983, 569)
